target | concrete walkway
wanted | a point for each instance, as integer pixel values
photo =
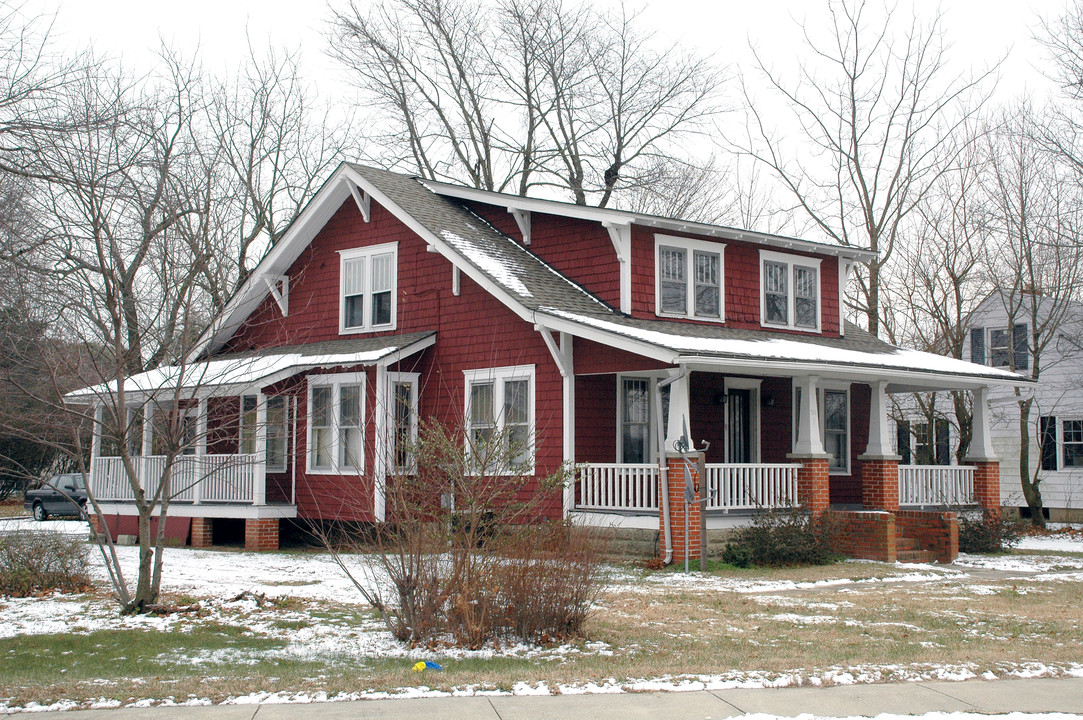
(999, 696)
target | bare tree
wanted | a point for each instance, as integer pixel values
(1036, 214)
(878, 120)
(514, 95)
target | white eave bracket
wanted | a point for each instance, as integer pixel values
(279, 287)
(560, 356)
(522, 219)
(364, 202)
(620, 234)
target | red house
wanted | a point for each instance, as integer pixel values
(599, 336)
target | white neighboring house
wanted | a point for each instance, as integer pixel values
(1056, 417)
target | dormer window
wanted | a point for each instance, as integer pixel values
(789, 291)
(688, 278)
(368, 277)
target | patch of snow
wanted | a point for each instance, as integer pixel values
(495, 267)
(1052, 543)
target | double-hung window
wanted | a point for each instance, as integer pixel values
(402, 420)
(688, 278)
(336, 411)
(500, 418)
(1001, 347)
(635, 415)
(276, 429)
(1072, 442)
(833, 407)
(789, 291)
(368, 284)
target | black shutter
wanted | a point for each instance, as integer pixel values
(977, 346)
(1019, 347)
(902, 437)
(1047, 428)
(943, 443)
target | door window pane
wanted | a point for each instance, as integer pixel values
(635, 420)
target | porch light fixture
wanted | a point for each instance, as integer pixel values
(768, 400)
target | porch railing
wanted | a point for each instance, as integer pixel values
(634, 487)
(618, 486)
(194, 479)
(936, 485)
(751, 486)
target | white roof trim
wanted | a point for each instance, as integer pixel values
(608, 215)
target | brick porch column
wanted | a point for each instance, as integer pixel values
(678, 507)
(202, 534)
(261, 534)
(880, 482)
(813, 491)
(986, 483)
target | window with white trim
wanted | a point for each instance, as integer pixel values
(635, 419)
(1072, 443)
(500, 418)
(833, 406)
(368, 280)
(402, 419)
(688, 278)
(789, 291)
(336, 411)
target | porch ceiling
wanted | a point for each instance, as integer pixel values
(262, 367)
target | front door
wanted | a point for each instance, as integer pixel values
(742, 419)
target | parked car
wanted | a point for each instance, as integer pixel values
(58, 495)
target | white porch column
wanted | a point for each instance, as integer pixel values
(809, 440)
(95, 444)
(200, 473)
(568, 419)
(679, 414)
(879, 431)
(981, 442)
(148, 428)
(259, 469)
(384, 409)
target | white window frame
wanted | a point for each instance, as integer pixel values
(791, 261)
(335, 382)
(394, 378)
(691, 247)
(1010, 332)
(1062, 445)
(498, 376)
(367, 254)
(822, 412)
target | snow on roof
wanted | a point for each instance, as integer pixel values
(249, 368)
(496, 267)
(773, 346)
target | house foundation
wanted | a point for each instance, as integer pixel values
(202, 532)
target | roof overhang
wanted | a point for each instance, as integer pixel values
(241, 373)
(904, 370)
(623, 217)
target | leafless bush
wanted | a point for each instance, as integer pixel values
(39, 562)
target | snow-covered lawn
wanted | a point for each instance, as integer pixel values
(652, 630)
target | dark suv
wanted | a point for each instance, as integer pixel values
(58, 495)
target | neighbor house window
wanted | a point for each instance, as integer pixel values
(1001, 347)
(336, 409)
(1072, 440)
(368, 283)
(500, 417)
(789, 291)
(688, 278)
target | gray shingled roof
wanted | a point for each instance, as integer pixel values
(528, 278)
(333, 347)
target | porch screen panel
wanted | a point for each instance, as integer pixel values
(321, 426)
(835, 416)
(776, 292)
(353, 293)
(350, 435)
(403, 419)
(805, 296)
(673, 282)
(517, 421)
(635, 420)
(277, 433)
(383, 270)
(708, 284)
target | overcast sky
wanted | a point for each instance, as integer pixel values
(981, 31)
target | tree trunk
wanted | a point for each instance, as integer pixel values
(1031, 491)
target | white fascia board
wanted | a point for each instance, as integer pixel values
(441, 246)
(584, 212)
(616, 340)
(276, 262)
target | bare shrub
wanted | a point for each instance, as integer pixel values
(780, 538)
(465, 556)
(32, 563)
(982, 532)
